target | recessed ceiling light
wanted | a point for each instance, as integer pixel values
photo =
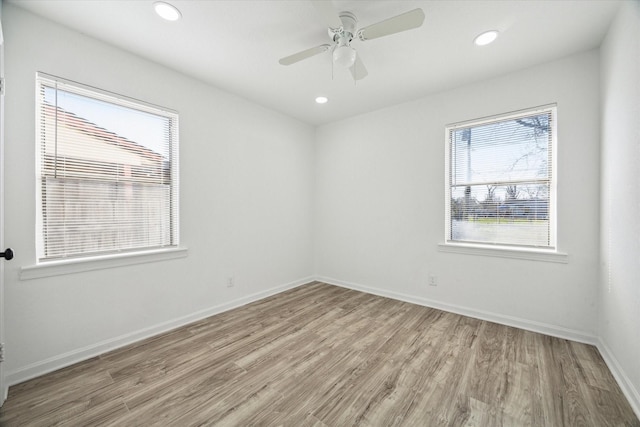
(167, 11)
(486, 38)
(322, 99)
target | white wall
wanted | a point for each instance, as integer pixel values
(246, 205)
(380, 203)
(255, 195)
(619, 292)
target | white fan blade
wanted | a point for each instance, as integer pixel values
(358, 70)
(406, 21)
(327, 13)
(292, 59)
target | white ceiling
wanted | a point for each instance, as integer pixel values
(235, 45)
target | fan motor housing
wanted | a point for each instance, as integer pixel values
(348, 29)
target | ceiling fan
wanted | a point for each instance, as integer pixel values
(342, 30)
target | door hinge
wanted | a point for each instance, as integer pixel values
(1, 352)
(1, 85)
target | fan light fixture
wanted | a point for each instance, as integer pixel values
(486, 38)
(342, 31)
(344, 56)
(322, 100)
(167, 11)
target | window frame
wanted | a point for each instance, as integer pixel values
(540, 253)
(47, 266)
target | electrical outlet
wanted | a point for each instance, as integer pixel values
(230, 282)
(433, 280)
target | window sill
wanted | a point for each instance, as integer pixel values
(504, 252)
(57, 268)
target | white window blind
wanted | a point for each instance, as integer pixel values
(108, 172)
(501, 180)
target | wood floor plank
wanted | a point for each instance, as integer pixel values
(162, 405)
(101, 415)
(47, 384)
(487, 380)
(320, 355)
(57, 402)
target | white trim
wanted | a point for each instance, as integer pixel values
(505, 252)
(57, 362)
(4, 387)
(626, 385)
(447, 183)
(504, 116)
(551, 179)
(171, 230)
(78, 265)
(104, 95)
(517, 322)
(54, 363)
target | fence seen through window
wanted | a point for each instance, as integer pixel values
(108, 172)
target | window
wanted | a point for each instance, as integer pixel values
(501, 180)
(107, 172)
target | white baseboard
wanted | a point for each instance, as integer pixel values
(60, 361)
(63, 360)
(627, 387)
(630, 392)
(529, 325)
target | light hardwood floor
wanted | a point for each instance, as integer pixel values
(320, 355)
